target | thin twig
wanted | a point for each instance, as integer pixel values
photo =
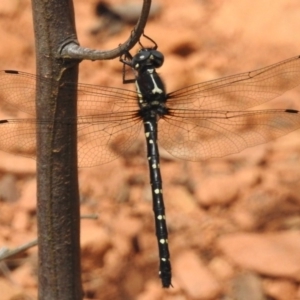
(6, 253)
(71, 49)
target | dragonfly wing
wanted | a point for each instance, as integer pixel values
(17, 91)
(239, 91)
(94, 99)
(197, 135)
(101, 138)
(104, 138)
(18, 137)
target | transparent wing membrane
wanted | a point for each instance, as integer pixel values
(197, 135)
(239, 91)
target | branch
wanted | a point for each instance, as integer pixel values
(71, 49)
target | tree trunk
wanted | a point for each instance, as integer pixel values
(58, 196)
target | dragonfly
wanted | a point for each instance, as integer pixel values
(197, 122)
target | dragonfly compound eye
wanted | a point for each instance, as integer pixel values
(157, 58)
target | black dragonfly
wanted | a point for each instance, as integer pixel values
(204, 120)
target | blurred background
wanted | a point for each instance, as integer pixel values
(233, 222)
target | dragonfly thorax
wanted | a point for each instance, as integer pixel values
(150, 88)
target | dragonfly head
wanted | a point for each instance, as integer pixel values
(147, 58)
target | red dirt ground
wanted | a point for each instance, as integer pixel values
(234, 224)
